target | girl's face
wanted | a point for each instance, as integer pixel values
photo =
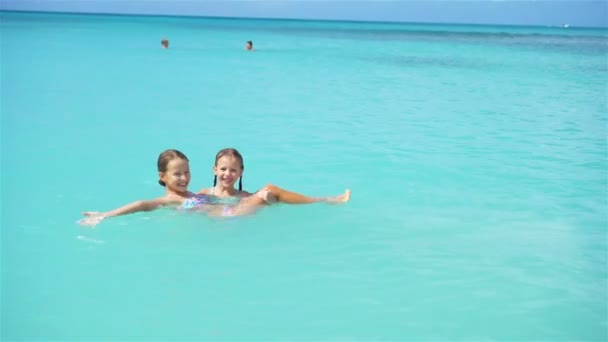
(177, 175)
(228, 170)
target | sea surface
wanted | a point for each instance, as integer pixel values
(476, 156)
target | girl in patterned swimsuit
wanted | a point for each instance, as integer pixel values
(174, 176)
(229, 168)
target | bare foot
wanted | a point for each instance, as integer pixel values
(345, 197)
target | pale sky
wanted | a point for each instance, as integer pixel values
(511, 12)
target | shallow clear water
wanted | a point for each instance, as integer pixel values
(477, 157)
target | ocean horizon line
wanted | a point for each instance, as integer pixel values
(371, 22)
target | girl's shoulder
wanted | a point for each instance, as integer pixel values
(243, 193)
(174, 198)
(205, 191)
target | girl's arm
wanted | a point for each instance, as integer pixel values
(93, 217)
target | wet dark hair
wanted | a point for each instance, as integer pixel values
(233, 153)
(164, 159)
(250, 42)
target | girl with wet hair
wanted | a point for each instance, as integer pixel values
(229, 168)
(174, 175)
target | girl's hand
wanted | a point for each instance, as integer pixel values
(93, 218)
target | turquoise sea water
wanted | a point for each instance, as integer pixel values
(477, 158)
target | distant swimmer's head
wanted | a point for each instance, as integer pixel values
(228, 168)
(249, 45)
(165, 43)
(174, 170)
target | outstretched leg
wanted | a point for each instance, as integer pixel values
(273, 194)
(284, 196)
